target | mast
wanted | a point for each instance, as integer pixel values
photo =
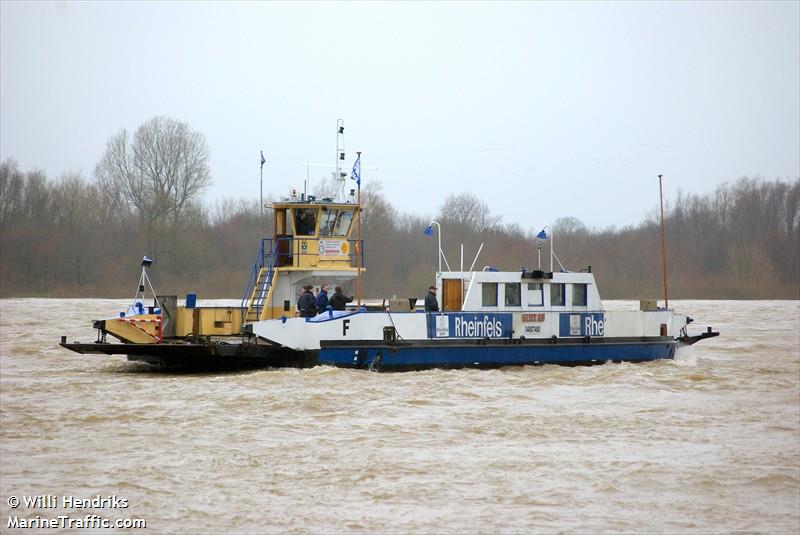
(340, 156)
(358, 237)
(663, 246)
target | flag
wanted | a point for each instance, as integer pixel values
(428, 230)
(542, 235)
(263, 160)
(356, 174)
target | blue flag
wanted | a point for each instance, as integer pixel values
(428, 230)
(542, 235)
(356, 174)
(263, 160)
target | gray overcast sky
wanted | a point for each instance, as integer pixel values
(542, 109)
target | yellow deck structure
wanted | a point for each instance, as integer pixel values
(312, 244)
(198, 322)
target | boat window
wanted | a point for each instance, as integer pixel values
(557, 295)
(328, 223)
(579, 295)
(305, 221)
(343, 222)
(513, 298)
(535, 294)
(489, 294)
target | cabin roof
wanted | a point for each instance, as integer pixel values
(516, 276)
(312, 204)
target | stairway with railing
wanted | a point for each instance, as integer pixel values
(258, 285)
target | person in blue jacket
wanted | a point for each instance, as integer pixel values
(322, 299)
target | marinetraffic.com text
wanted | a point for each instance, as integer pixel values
(68, 512)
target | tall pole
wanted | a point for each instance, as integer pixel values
(552, 238)
(261, 198)
(663, 246)
(261, 194)
(439, 236)
(358, 238)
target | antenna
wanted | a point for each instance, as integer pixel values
(309, 165)
(663, 246)
(340, 174)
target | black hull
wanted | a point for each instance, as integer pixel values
(212, 355)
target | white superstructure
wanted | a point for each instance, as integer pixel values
(485, 305)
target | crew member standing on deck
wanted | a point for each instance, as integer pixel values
(307, 304)
(322, 299)
(339, 300)
(431, 304)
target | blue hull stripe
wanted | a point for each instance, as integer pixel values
(421, 357)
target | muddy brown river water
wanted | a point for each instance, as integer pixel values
(706, 443)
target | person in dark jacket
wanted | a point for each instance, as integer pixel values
(431, 304)
(339, 300)
(307, 304)
(322, 299)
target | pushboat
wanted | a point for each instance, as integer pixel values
(487, 318)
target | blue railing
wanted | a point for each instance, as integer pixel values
(266, 257)
(280, 252)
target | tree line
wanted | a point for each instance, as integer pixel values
(84, 237)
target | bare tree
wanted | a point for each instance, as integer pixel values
(569, 225)
(158, 172)
(12, 184)
(468, 211)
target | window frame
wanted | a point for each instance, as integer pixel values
(341, 217)
(563, 294)
(327, 224)
(298, 212)
(518, 294)
(585, 288)
(484, 287)
(540, 291)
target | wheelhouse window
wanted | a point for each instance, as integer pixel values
(513, 298)
(328, 223)
(489, 294)
(343, 220)
(305, 221)
(335, 222)
(557, 295)
(535, 294)
(579, 295)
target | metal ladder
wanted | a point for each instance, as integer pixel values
(260, 281)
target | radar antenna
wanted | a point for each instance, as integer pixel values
(140, 290)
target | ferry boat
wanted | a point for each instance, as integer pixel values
(487, 318)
